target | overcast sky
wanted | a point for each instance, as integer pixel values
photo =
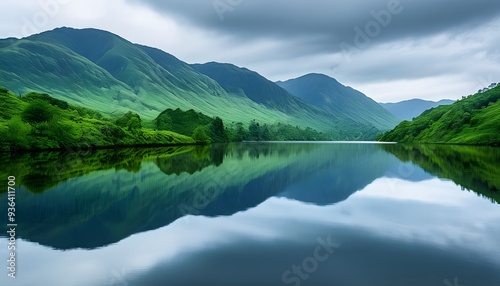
(391, 50)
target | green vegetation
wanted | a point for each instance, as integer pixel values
(205, 129)
(473, 120)
(108, 74)
(475, 168)
(104, 72)
(279, 132)
(38, 121)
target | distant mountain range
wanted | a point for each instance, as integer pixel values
(409, 109)
(325, 92)
(102, 71)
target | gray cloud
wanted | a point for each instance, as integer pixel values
(431, 49)
(329, 22)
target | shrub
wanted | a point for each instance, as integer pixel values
(37, 112)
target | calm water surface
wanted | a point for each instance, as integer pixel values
(257, 214)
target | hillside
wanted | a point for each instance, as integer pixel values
(37, 121)
(473, 120)
(327, 93)
(104, 72)
(249, 84)
(409, 109)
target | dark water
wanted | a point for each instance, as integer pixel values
(257, 214)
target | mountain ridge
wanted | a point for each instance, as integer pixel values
(103, 71)
(326, 92)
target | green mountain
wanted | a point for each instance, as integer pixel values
(409, 109)
(327, 93)
(102, 71)
(250, 84)
(473, 120)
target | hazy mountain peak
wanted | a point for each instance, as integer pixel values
(326, 92)
(408, 109)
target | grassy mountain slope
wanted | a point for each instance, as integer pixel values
(36, 66)
(38, 121)
(102, 71)
(409, 109)
(252, 85)
(249, 84)
(473, 120)
(326, 92)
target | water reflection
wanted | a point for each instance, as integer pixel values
(474, 168)
(126, 191)
(243, 214)
(412, 239)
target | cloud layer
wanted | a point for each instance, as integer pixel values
(389, 49)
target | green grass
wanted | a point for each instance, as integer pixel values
(472, 120)
(70, 126)
(109, 74)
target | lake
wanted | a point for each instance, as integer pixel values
(256, 214)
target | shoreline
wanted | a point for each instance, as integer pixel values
(109, 147)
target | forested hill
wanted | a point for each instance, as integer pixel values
(104, 72)
(473, 120)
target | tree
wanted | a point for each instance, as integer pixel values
(254, 131)
(240, 133)
(200, 136)
(134, 124)
(218, 131)
(17, 133)
(130, 120)
(33, 96)
(37, 112)
(265, 134)
(164, 121)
